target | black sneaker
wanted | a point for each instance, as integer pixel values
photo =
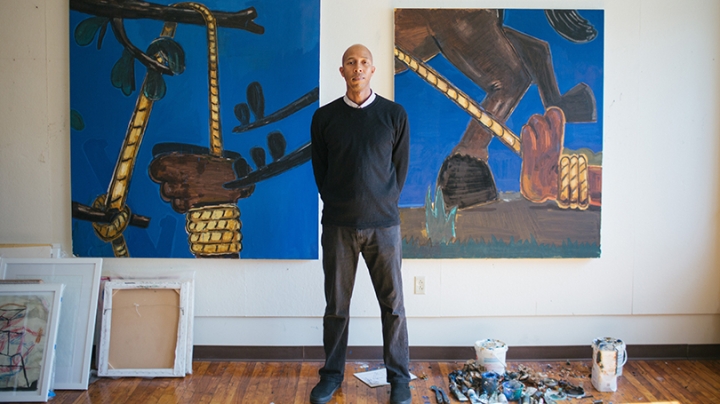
(323, 391)
(400, 393)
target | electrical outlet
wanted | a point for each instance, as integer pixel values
(419, 285)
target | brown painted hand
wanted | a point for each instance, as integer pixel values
(542, 142)
(194, 180)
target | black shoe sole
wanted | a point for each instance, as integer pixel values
(323, 400)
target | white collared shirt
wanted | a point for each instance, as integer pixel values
(367, 102)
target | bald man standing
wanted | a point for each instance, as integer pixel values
(360, 153)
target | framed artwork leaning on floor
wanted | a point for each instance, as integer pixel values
(29, 315)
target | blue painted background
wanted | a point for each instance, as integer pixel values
(437, 124)
(280, 219)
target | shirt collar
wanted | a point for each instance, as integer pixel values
(367, 102)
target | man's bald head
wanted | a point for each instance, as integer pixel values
(357, 48)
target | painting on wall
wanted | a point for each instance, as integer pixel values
(29, 316)
(505, 110)
(190, 128)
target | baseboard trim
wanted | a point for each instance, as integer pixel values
(433, 353)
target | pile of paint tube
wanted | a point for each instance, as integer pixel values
(486, 381)
(476, 385)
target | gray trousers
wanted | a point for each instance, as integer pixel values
(381, 249)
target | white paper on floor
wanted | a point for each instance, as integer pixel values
(375, 378)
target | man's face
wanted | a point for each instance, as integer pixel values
(357, 68)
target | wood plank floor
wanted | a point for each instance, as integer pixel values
(659, 381)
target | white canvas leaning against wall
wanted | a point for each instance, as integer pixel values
(31, 251)
(29, 315)
(81, 277)
(144, 330)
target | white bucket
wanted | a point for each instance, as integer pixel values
(602, 381)
(490, 353)
(609, 356)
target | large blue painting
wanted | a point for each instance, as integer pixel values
(506, 117)
(190, 128)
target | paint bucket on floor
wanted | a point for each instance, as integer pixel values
(609, 356)
(490, 353)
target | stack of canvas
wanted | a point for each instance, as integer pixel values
(45, 344)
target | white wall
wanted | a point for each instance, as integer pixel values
(658, 281)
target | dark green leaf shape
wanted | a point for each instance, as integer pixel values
(276, 144)
(256, 99)
(242, 112)
(170, 52)
(76, 120)
(85, 31)
(155, 87)
(258, 156)
(122, 75)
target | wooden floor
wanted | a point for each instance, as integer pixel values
(663, 381)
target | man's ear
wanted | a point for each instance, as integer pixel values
(342, 71)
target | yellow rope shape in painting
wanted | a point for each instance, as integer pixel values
(464, 101)
(573, 182)
(116, 197)
(216, 142)
(214, 230)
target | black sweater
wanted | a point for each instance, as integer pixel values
(360, 161)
